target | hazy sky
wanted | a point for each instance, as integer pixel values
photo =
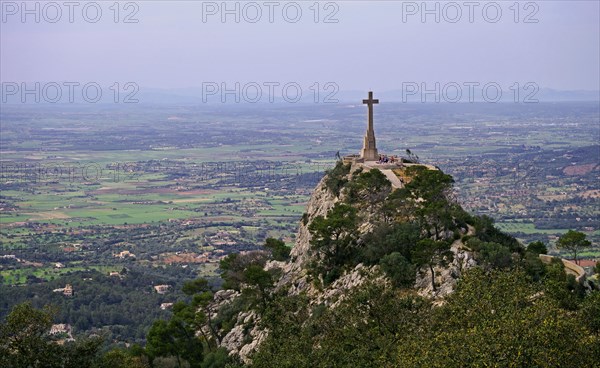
(373, 45)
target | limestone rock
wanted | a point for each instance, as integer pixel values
(246, 335)
(336, 292)
(445, 277)
(220, 299)
(294, 272)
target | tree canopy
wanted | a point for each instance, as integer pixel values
(574, 242)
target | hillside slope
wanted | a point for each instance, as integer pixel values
(373, 273)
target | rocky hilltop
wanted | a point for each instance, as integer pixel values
(367, 191)
(371, 256)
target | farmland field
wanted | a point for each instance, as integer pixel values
(167, 192)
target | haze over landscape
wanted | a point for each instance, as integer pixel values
(360, 45)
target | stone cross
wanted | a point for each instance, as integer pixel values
(370, 102)
(369, 150)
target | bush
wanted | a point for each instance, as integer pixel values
(279, 250)
(534, 266)
(398, 269)
(495, 255)
(386, 239)
(590, 311)
(336, 178)
(537, 247)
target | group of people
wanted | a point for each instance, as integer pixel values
(384, 159)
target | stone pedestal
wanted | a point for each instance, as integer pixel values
(369, 150)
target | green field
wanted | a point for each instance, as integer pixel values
(224, 180)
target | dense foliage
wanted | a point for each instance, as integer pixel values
(495, 318)
(122, 306)
(414, 226)
(512, 310)
(336, 177)
(25, 342)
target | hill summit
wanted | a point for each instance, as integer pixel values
(385, 275)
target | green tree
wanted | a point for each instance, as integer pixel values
(499, 318)
(537, 247)
(431, 253)
(185, 337)
(561, 287)
(399, 206)
(334, 238)
(201, 294)
(533, 265)
(429, 185)
(398, 269)
(487, 232)
(336, 177)
(260, 282)
(195, 286)
(364, 330)
(160, 341)
(432, 190)
(494, 255)
(119, 358)
(574, 242)
(368, 188)
(234, 265)
(279, 250)
(177, 337)
(386, 239)
(217, 359)
(590, 311)
(25, 342)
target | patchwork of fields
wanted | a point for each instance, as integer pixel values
(114, 192)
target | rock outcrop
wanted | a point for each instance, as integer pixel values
(446, 277)
(244, 338)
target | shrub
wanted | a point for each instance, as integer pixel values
(590, 311)
(305, 218)
(386, 239)
(495, 255)
(534, 266)
(398, 269)
(336, 178)
(537, 247)
(279, 250)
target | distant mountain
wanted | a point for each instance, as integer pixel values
(247, 95)
(195, 95)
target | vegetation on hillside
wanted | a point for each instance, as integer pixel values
(512, 310)
(494, 318)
